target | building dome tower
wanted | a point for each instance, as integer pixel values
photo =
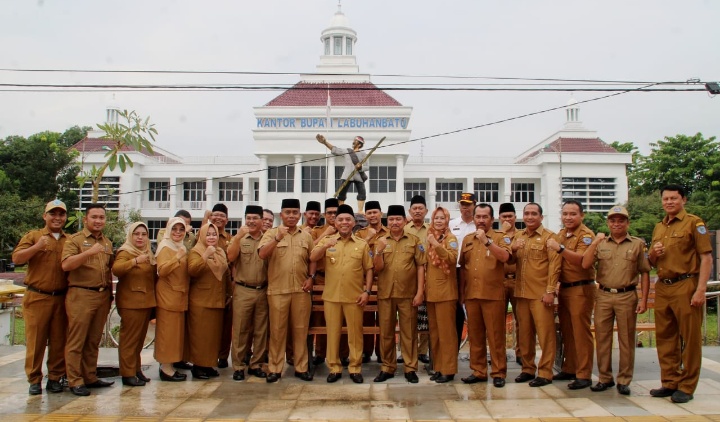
(338, 46)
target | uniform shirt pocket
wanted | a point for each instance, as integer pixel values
(536, 251)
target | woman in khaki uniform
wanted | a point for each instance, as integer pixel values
(135, 267)
(208, 270)
(171, 294)
(441, 294)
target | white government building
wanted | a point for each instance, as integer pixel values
(340, 102)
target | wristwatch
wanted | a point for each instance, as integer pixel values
(367, 291)
(562, 249)
(488, 243)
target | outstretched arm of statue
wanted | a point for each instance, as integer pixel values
(321, 139)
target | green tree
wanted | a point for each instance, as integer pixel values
(691, 161)
(18, 216)
(645, 211)
(629, 147)
(73, 135)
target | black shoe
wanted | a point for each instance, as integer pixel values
(100, 384)
(334, 376)
(35, 389)
(411, 377)
(357, 378)
(80, 390)
(472, 379)
(424, 358)
(383, 376)
(317, 360)
(272, 377)
(176, 377)
(366, 358)
(211, 372)
(662, 392)
(499, 382)
(400, 360)
(305, 376)
(579, 384)
(199, 373)
(539, 382)
(54, 386)
(681, 397)
(563, 376)
(602, 386)
(444, 378)
(257, 372)
(182, 365)
(132, 381)
(345, 362)
(142, 376)
(290, 361)
(524, 377)
(238, 375)
(222, 363)
(435, 376)
(623, 389)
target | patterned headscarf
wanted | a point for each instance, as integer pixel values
(433, 257)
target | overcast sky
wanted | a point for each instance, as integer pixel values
(600, 40)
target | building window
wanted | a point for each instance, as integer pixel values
(348, 46)
(595, 194)
(281, 179)
(327, 46)
(338, 46)
(158, 191)
(230, 191)
(383, 179)
(256, 191)
(314, 178)
(415, 188)
(154, 227)
(339, 180)
(108, 194)
(233, 226)
(194, 192)
(448, 191)
(523, 192)
(486, 192)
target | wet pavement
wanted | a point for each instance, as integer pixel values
(292, 399)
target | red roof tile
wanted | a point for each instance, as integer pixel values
(97, 144)
(582, 145)
(341, 94)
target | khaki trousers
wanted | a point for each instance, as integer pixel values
(352, 313)
(87, 311)
(608, 308)
(250, 326)
(443, 341)
(288, 311)
(677, 322)
(45, 324)
(133, 329)
(486, 325)
(575, 314)
(388, 312)
(536, 319)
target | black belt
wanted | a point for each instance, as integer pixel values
(250, 286)
(510, 275)
(94, 289)
(623, 290)
(676, 279)
(576, 283)
(60, 292)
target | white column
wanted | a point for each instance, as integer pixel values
(246, 191)
(470, 185)
(173, 196)
(297, 182)
(431, 193)
(507, 190)
(263, 181)
(400, 184)
(330, 189)
(209, 194)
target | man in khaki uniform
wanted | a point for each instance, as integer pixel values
(399, 260)
(44, 301)
(374, 230)
(508, 218)
(538, 272)
(620, 258)
(417, 226)
(348, 266)
(576, 298)
(87, 257)
(250, 304)
(290, 275)
(681, 251)
(482, 290)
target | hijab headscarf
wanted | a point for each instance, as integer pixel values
(167, 241)
(218, 261)
(133, 250)
(440, 236)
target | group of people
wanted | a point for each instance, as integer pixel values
(247, 297)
